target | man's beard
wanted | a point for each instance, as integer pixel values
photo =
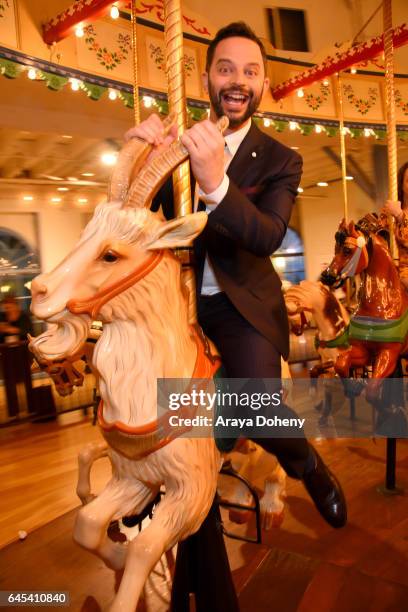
(234, 121)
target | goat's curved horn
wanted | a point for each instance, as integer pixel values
(132, 158)
(152, 175)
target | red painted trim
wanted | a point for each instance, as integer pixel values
(341, 61)
(79, 12)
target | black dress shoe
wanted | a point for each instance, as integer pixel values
(326, 492)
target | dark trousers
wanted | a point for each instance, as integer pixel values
(202, 568)
(246, 353)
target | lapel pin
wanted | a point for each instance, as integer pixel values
(253, 153)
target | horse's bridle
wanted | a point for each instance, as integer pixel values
(93, 304)
(350, 268)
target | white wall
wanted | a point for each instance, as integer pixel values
(58, 231)
(327, 21)
(23, 224)
(52, 231)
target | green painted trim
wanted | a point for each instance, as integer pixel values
(341, 340)
(393, 331)
(12, 69)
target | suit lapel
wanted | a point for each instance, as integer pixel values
(247, 156)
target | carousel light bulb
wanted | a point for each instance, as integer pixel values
(267, 122)
(300, 189)
(322, 184)
(109, 158)
(349, 178)
(293, 125)
(112, 94)
(353, 71)
(326, 82)
(367, 132)
(32, 74)
(56, 200)
(28, 198)
(300, 93)
(82, 200)
(114, 12)
(318, 128)
(148, 101)
(79, 31)
(74, 84)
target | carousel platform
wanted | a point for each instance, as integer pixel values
(304, 565)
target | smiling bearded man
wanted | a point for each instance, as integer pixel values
(229, 96)
(247, 185)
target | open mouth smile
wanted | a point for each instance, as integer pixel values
(234, 100)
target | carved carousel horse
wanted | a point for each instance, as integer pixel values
(123, 273)
(314, 300)
(378, 330)
(329, 314)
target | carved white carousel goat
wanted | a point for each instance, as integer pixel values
(123, 273)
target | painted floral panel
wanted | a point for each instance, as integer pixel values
(156, 66)
(106, 49)
(317, 100)
(401, 100)
(362, 100)
(8, 32)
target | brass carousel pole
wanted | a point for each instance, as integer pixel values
(391, 121)
(136, 109)
(177, 104)
(342, 147)
(343, 168)
(391, 459)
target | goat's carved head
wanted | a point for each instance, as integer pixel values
(120, 241)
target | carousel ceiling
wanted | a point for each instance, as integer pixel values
(72, 168)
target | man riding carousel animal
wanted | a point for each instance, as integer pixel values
(123, 273)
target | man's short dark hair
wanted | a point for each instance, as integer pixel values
(239, 29)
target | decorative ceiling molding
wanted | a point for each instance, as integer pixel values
(341, 61)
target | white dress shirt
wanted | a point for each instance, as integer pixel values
(210, 285)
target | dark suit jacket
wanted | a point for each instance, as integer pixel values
(246, 227)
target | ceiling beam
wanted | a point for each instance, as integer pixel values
(63, 24)
(341, 61)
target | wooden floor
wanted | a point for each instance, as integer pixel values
(305, 565)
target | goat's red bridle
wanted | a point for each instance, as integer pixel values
(93, 304)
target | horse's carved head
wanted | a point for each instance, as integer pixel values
(301, 300)
(122, 244)
(350, 254)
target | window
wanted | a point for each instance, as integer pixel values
(287, 29)
(18, 266)
(288, 260)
